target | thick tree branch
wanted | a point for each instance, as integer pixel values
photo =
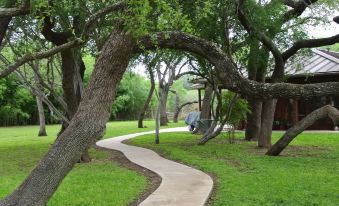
(298, 9)
(11, 12)
(267, 41)
(94, 17)
(39, 55)
(228, 74)
(310, 43)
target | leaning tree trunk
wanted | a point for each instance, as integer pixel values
(87, 124)
(42, 120)
(148, 101)
(309, 120)
(267, 118)
(163, 95)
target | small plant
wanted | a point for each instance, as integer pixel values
(238, 113)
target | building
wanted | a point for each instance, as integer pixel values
(319, 66)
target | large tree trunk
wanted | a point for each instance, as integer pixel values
(87, 124)
(163, 95)
(309, 120)
(253, 120)
(148, 100)
(257, 64)
(267, 118)
(42, 121)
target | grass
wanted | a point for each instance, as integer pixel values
(307, 173)
(101, 182)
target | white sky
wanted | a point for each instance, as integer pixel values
(324, 31)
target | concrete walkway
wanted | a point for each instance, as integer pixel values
(181, 185)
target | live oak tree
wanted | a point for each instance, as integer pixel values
(143, 25)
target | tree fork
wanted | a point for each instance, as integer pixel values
(309, 120)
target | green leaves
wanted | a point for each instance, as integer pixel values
(158, 15)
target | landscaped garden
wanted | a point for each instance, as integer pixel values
(101, 182)
(305, 174)
(169, 103)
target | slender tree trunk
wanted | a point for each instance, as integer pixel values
(42, 121)
(309, 120)
(267, 118)
(206, 103)
(147, 102)
(177, 107)
(87, 124)
(157, 125)
(163, 95)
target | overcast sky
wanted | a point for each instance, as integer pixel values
(325, 31)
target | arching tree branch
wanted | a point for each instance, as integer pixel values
(310, 43)
(228, 74)
(39, 55)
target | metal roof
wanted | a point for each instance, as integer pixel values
(320, 62)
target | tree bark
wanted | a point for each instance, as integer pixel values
(206, 102)
(177, 106)
(256, 62)
(163, 95)
(267, 118)
(87, 124)
(253, 123)
(148, 100)
(157, 125)
(309, 120)
(73, 70)
(42, 121)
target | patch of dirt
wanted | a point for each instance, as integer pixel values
(303, 151)
(293, 151)
(153, 179)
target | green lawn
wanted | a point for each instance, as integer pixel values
(306, 174)
(101, 182)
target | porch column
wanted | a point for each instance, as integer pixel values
(295, 113)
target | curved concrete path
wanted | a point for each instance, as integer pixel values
(180, 186)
